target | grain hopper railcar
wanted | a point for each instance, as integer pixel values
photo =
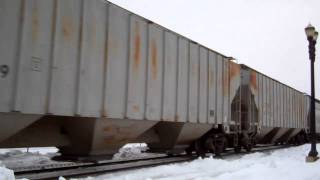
(272, 111)
(88, 77)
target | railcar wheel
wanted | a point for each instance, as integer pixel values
(199, 149)
(248, 147)
(237, 149)
(209, 145)
(296, 141)
(300, 139)
(189, 151)
(219, 147)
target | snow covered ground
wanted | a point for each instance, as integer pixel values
(23, 157)
(43, 150)
(284, 164)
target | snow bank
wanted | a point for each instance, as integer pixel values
(285, 164)
(42, 150)
(131, 151)
(6, 174)
(21, 157)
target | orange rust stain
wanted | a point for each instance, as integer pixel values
(137, 48)
(108, 129)
(154, 63)
(136, 108)
(233, 73)
(67, 27)
(234, 70)
(35, 23)
(253, 80)
(226, 81)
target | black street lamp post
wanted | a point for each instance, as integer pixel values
(312, 35)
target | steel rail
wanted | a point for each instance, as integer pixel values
(91, 168)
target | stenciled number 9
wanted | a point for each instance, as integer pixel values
(4, 70)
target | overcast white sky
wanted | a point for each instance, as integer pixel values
(266, 35)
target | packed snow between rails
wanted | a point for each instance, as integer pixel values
(284, 164)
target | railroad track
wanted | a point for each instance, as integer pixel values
(74, 169)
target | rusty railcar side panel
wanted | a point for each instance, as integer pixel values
(193, 82)
(65, 62)
(269, 95)
(292, 111)
(170, 77)
(117, 57)
(280, 106)
(203, 86)
(11, 17)
(306, 113)
(264, 120)
(260, 98)
(295, 112)
(33, 72)
(212, 96)
(183, 71)
(284, 100)
(219, 117)
(287, 107)
(276, 105)
(285, 118)
(137, 68)
(155, 73)
(226, 90)
(92, 58)
(317, 114)
(273, 104)
(299, 111)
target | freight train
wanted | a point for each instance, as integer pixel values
(87, 76)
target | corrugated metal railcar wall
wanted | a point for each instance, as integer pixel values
(278, 104)
(93, 59)
(317, 117)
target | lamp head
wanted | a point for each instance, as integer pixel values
(310, 31)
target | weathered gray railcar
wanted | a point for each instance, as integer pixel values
(272, 111)
(88, 77)
(317, 117)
